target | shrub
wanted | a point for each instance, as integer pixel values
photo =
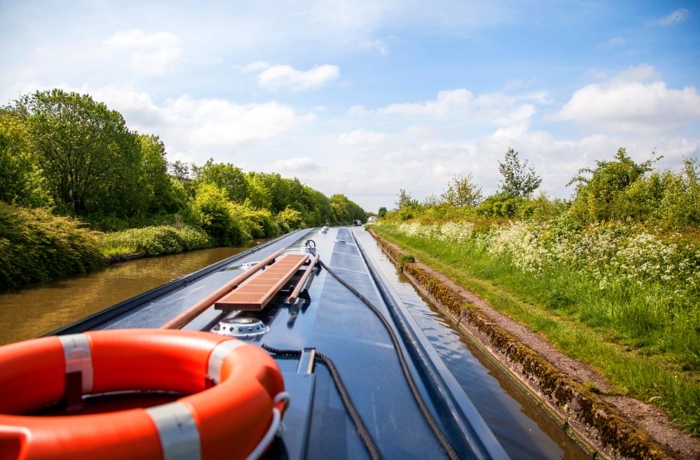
(37, 246)
(155, 241)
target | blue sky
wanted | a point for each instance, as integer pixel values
(367, 97)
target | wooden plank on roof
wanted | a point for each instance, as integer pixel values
(258, 290)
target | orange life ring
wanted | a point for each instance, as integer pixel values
(231, 419)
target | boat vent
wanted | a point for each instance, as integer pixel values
(241, 328)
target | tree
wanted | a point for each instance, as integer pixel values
(462, 191)
(344, 211)
(382, 212)
(602, 196)
(259, 196)
(518, 179)
(90, 160)
(225, 176)
(21, 181)
(214, 213)
(161, 195)
(405, 199)
(179, 171)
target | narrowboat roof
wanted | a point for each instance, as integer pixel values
(333, 321)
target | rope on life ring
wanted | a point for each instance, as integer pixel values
(234, 391)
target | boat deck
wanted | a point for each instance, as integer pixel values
(336, 323)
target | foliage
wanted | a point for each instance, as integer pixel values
(289, 219)
(518, 180)
(36, 246)
(214, 213)
(225, 176)
(21, 181)
(179, 171)
(382, 212)
(603, 196)
(405, 200)
(155, 241)
(160, 193)
(87, 154)
(501, 205)
(462, 191)
(344, 211)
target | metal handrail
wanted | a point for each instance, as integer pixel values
(300, 285)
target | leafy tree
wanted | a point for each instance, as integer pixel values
(600, 197)
(680, 204)
(518, 179)
(344, 211)
(179, 171)
(319, 206)
(21, 181)
(259, 196)
(214, 214)
(405, 200)
(225, 176)
(161, 194)
(90, 160)
(278, 189)
(462, 191)
(382, 212)
(290, 219)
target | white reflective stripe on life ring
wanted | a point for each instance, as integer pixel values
(76, 350)
(177, 430)
(216, 358)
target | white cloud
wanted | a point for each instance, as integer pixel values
(614, 42)
(256, 67)
(359, 138)
(194, 125)
(633, 101)
(297, 165)
(446, 103)
(286, 77)
(156, 53)
(499, 107)
(139, 38)
(218, 122)
(378, 45)
(675, 17)
(358, 110)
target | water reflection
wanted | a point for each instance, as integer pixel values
(35, 311)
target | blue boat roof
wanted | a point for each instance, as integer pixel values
(334, 322)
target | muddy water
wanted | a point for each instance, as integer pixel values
(35, 311)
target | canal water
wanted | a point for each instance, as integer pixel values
(29, 313)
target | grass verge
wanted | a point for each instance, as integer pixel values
(154, 241)
(562, 308)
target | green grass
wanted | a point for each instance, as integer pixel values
(634, 337)
(154, 241)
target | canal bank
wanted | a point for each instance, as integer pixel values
(615, 426)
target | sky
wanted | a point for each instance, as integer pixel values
(368, 97)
